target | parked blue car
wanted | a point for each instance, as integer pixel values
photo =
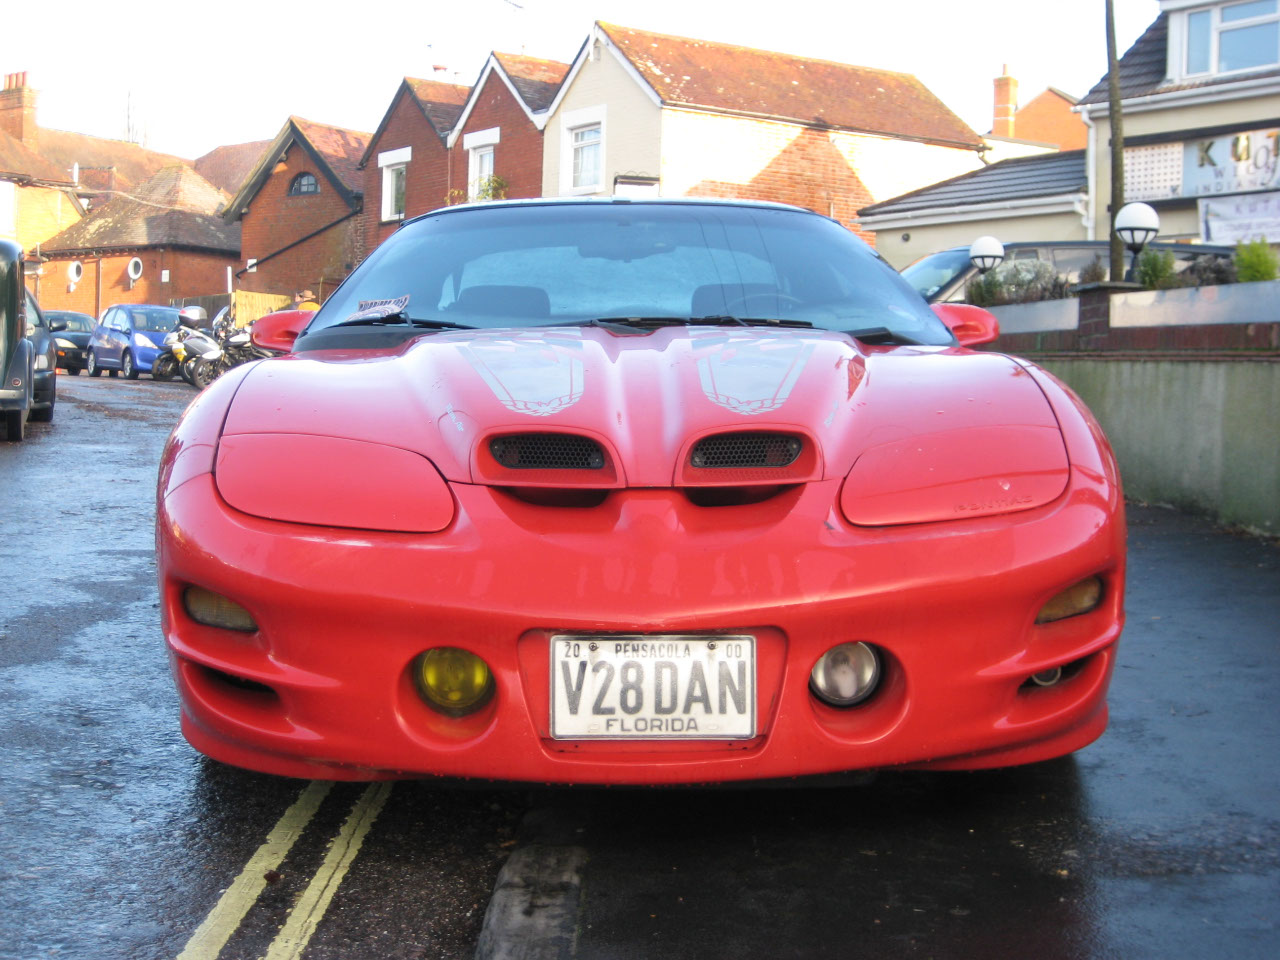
(128, 337)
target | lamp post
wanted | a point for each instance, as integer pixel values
(1136, 224)
(985, 253)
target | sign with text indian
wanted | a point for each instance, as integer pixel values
(1235, 163)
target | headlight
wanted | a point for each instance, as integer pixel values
(42, 362)
(64, 343)
(214, 610)
(453, 681)
(332, 482)
(1073, 601)
(142, 340)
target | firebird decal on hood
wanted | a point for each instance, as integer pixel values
(535, 372)
(747, 372)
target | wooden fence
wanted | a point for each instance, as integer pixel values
(248, 306)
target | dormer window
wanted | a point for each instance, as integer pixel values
(303, 184)
(1231, 38)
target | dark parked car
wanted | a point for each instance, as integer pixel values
(943, 277)
(73, 341)
(128, 338)
(28, 359)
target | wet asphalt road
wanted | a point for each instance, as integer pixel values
(1161, 840)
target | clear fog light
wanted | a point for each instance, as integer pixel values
(1073, 601)
(846, 674)
(453, 681)
(215, 610)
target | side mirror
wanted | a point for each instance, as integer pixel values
(56, 325)
(971, 325)
(278, 331)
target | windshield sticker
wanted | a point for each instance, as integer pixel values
(380, 309)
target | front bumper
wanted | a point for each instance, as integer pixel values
(343, 613)
(73, 358)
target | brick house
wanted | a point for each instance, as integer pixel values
(644, 112)
(405, 169)
(299, 210)
(171, 224)
(496, 144)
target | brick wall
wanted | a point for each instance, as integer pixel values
(427, 176)
(517, 157)
(274, 220)
(191, 274)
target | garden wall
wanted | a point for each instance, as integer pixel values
(1185, 382)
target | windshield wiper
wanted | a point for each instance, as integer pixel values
(882, 336)
(712, 320)
(399, 320)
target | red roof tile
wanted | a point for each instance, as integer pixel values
(227, 166)
(20, 162)
(441, 102)
(340, 147)
(132, 163)
(537, 81)
(742, 80)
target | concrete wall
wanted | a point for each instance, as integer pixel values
(1201, 435)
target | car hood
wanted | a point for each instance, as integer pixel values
(644, 397)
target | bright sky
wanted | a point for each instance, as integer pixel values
(197, 76)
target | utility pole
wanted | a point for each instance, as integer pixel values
(1117, 144)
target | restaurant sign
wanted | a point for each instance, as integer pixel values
(1235, 163)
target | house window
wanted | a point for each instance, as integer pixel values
(304, 183)
(482, 181)
(1233, 37)
(586, 156)
(395, 172)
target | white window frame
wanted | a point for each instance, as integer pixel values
(393, 163)
(479, 145)
(1180, 38)
(570, 122)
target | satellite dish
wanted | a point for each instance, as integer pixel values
(135, 269)
(75, 271)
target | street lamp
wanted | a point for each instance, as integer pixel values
(985, 253)
(1137, 224)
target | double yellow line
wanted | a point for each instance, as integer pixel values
(226, 916)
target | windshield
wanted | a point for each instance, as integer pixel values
(154, 318)
(76, 322)
(932, 274)
(547, 264)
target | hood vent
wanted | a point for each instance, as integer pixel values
(547, 451)
(745, 450)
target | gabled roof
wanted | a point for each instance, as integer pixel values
(104, 164)
(1021, 178)
(335, 151)
(533, 84)
(226, 167)
(724, 78)
(20, 163)
(440, 103)
(175, 208)
(1143, 68)
(536, 81)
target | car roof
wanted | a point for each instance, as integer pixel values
(604, 201)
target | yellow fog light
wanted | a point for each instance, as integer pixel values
(1075, 600)
(453, 681)
(215, 610)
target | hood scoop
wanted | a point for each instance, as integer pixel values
(546, 451)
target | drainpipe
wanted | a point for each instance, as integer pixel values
(1091, 176)
(97, 296)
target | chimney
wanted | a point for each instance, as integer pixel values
(18, 110)
(1006, 104)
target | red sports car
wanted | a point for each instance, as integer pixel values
(636, 492)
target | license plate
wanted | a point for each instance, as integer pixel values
(647, 687)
